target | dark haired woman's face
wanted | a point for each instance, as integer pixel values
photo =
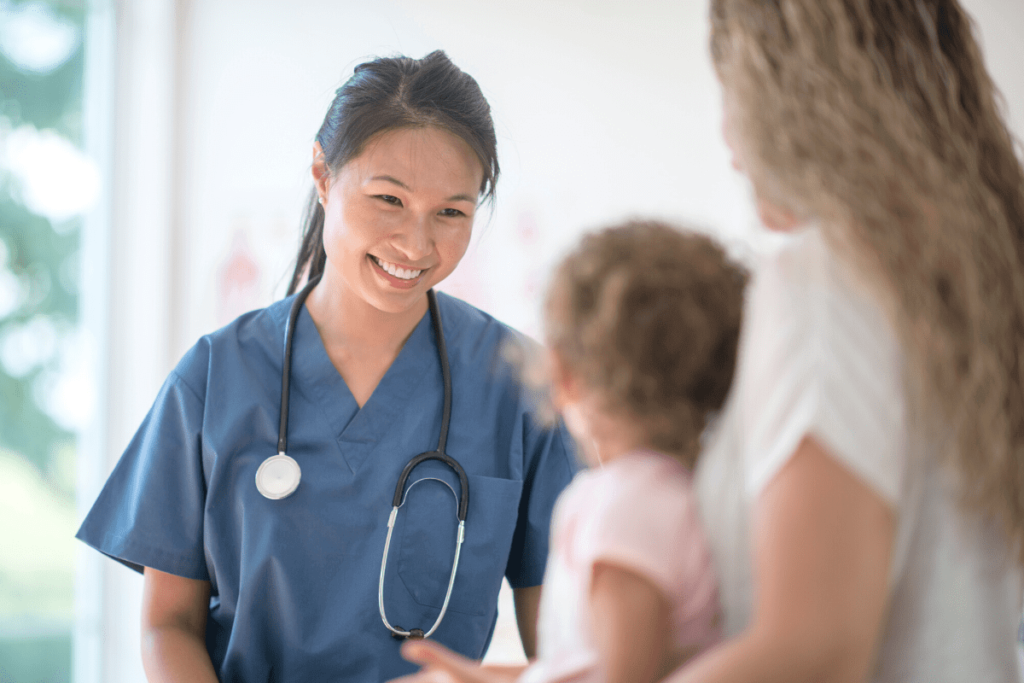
(398, 217)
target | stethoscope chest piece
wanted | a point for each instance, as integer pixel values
(278, 476)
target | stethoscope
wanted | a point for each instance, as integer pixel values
(279, 475)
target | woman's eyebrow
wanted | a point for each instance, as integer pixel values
(395, 181)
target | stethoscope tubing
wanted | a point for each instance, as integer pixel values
(286, 371)
(451, 580)
(439, 454)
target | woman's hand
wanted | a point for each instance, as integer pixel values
(441, 665)
(822, 542)
(174, 613)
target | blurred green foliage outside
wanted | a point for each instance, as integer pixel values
(41, 76)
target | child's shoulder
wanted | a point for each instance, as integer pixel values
(635, 483)
(639, 511)
(646, 469)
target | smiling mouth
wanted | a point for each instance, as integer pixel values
(395, 271)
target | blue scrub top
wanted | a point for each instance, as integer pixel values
(294, 581)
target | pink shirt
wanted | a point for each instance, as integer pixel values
(637, 512)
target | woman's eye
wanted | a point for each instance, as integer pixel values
(395, 201)
(451, 213)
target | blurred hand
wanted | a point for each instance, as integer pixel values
(441, 665)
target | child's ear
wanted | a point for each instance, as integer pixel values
(565, 389)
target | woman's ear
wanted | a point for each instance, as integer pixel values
(321, 173)
(775, 217)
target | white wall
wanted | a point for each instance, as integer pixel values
(604, 109)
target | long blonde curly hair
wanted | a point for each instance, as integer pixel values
(878, 119)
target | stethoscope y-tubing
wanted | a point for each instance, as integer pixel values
(439, 454)
(446, 414)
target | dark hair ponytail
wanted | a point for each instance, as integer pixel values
(311, 256)
(390, 93)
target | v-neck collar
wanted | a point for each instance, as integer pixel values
(356, 429)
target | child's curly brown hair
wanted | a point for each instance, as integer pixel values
(648, 316)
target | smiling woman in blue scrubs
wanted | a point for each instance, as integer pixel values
(243, 587)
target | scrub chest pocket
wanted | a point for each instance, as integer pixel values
(427, 526)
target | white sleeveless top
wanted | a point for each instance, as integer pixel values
(818, 356)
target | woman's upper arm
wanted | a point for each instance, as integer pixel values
(150, 512)
(170, 601)
(174, 610)
(822, 541)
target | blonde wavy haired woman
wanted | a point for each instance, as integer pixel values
(865, 495)
(864, 491)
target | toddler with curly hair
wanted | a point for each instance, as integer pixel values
(642, 323)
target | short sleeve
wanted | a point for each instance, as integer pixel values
(150, 511)
(642, 516)
(551, 463)
(820, 358)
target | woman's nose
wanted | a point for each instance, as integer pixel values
(413, 237)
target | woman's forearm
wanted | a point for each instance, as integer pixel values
(743, 660)
(527, 601)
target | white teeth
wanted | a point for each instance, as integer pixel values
(393, 270)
